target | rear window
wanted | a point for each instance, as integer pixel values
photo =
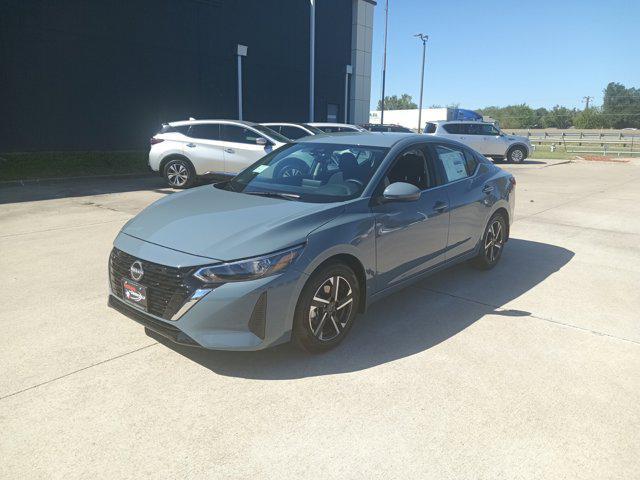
(454, 128)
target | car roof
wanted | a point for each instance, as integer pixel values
(369, 139)
(199, 122)
(329, 124)
(459, 121)
(292, 124)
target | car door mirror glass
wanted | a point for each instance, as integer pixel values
(401, 192)
(261, 141)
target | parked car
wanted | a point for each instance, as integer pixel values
(336, 127)
(183, 151)
(293, 131)
(378, 127)
(484, 138)
(261, 259)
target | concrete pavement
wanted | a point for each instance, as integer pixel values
(531, 370)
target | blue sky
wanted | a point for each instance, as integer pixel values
(483, 53)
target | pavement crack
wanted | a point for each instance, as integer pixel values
(58, 228)
(78, 370)
(531, 315)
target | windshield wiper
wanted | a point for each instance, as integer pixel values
(286, 196)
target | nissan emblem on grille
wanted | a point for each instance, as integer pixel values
(136, 270)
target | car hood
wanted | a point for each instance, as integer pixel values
(223, 225)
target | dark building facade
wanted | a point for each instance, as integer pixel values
(89, 74)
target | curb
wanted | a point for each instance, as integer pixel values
(86, 177)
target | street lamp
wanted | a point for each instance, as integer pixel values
(240, 52)
(424, 39)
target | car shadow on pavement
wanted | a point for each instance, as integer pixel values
(80, 187)
(405, 323)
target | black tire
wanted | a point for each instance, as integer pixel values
(179, 173)
(320, 322)
(291, 168)
(516, 155)
(490, 249)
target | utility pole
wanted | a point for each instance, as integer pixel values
(384, 60)
(586, 100)
(312, 59)
(424, 39)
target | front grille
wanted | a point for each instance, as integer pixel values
(167, 287)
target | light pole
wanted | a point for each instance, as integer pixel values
(384, 60)
(424, 39)
(312, 57)
(348, 71)
(241, 52)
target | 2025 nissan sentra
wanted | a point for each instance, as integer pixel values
(299, 243)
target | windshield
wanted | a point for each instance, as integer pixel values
(271, 133)
(310, 172)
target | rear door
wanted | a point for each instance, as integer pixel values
(204, 148)
(475, 136)
(468, 202)
(240, 147)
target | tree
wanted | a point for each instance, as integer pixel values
(590, 118)
(621, 105)
(512, 116)
(393, 102)
(557, 117)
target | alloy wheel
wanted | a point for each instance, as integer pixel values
(177, 174)
(517, 155)
(331, 308)
(494, 241)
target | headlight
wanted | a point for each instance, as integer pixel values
(249, 269)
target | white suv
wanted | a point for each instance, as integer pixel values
(183, 151)
(484, 138)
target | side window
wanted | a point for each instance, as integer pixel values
(453, 161)
(293, 133)
(431, 128)
(488, 129)
(471, 162)
(209, 131)
(236, 134)
(412, 166)
(452, 128)
(474, 129)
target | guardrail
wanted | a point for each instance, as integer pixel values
(607, 143)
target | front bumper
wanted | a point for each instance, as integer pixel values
(248, 315)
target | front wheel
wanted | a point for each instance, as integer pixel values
(495, 235)
(516, 155)
(179, 173)
(326, 308)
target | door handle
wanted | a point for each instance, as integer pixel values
(461, 138)
(229, 150)
(487, 189)
(440, 207)
(191, 145)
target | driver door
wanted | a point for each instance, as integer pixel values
(411, 237)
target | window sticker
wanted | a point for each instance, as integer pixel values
(454, 164)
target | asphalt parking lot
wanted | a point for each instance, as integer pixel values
(531, 370)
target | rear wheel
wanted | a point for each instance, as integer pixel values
(495, 235)
(516, 155)
(326, 308)
(179, 173)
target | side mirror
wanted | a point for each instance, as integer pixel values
(261, 141)
(401, 192)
